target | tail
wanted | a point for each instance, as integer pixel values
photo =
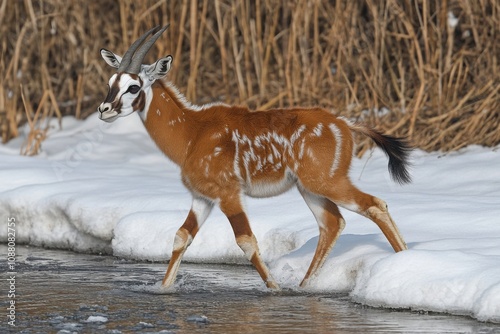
(396, 149)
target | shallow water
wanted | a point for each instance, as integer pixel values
(60, 291)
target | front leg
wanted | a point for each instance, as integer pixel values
(199, 212)
(246, 239)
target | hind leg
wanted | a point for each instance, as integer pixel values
(379, 213)
(348, 196)
(330, 224)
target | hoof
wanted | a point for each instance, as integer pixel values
(273, 285)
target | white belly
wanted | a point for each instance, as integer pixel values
(269, 189)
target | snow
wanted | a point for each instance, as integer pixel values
(99, 187)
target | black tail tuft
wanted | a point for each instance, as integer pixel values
(398, 151)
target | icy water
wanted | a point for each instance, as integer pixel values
(64, 292)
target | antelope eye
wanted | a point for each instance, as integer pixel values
(134, 89)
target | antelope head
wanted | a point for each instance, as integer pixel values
(130, 87)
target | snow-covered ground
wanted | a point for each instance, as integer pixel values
(106, 188)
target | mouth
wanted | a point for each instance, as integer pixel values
(106, 117)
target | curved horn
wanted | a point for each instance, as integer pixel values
(127, 57)
(135, 65)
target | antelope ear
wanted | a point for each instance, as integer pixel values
(110, 58)
(159, 69)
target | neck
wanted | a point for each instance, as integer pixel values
(167, 119)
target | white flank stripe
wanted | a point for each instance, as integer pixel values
(338, 139)
(236, 161)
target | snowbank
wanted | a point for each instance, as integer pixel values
(102, 187)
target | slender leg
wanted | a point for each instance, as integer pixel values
(184, 236)
(330, 224)
(379, 213)
(373, 208)
(246, 239)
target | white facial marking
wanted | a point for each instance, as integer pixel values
(126, 98)
(112, 79)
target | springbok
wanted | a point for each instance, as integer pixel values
(226, 151)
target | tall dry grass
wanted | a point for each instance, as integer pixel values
(361, 58)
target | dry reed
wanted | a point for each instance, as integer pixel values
(424, 69)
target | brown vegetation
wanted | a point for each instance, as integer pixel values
(438, 82)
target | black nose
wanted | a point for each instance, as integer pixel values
(104, 107)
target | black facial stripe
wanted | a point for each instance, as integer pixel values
(117, 106)
(139, 102)
(113, 90)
